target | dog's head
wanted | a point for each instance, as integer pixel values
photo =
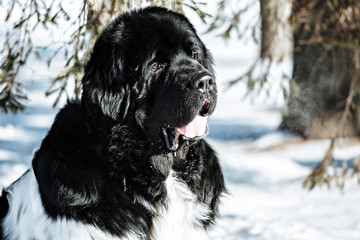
(150, 68)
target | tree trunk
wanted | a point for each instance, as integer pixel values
(322, 77)
(276, 39)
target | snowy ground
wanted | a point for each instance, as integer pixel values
(264, 167)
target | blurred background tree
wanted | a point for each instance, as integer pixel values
(322, 38)
(323, 99)
(327, 75)
(326, 69)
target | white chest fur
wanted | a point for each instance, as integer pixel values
(181, 218)
(27, 220)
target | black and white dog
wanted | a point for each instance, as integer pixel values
(128, 161)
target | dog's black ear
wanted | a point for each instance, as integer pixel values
(104, 83)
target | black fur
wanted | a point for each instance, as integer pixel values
(4, 207)
(102, 150)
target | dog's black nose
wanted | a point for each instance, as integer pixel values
(203, 83)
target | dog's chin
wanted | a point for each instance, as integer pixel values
(194, 130)
(174, 139)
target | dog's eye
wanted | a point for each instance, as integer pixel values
(194, 54)
(155, 67)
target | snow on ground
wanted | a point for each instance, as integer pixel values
(266, 199)
(263, 167)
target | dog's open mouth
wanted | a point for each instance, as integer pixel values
(196, 129)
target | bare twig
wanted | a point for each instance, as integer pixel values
(319, 175)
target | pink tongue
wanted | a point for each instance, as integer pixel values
(195, 128)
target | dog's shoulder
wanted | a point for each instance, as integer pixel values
(68, 164)
(70, 120)
(71, 136)
(72, 170)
